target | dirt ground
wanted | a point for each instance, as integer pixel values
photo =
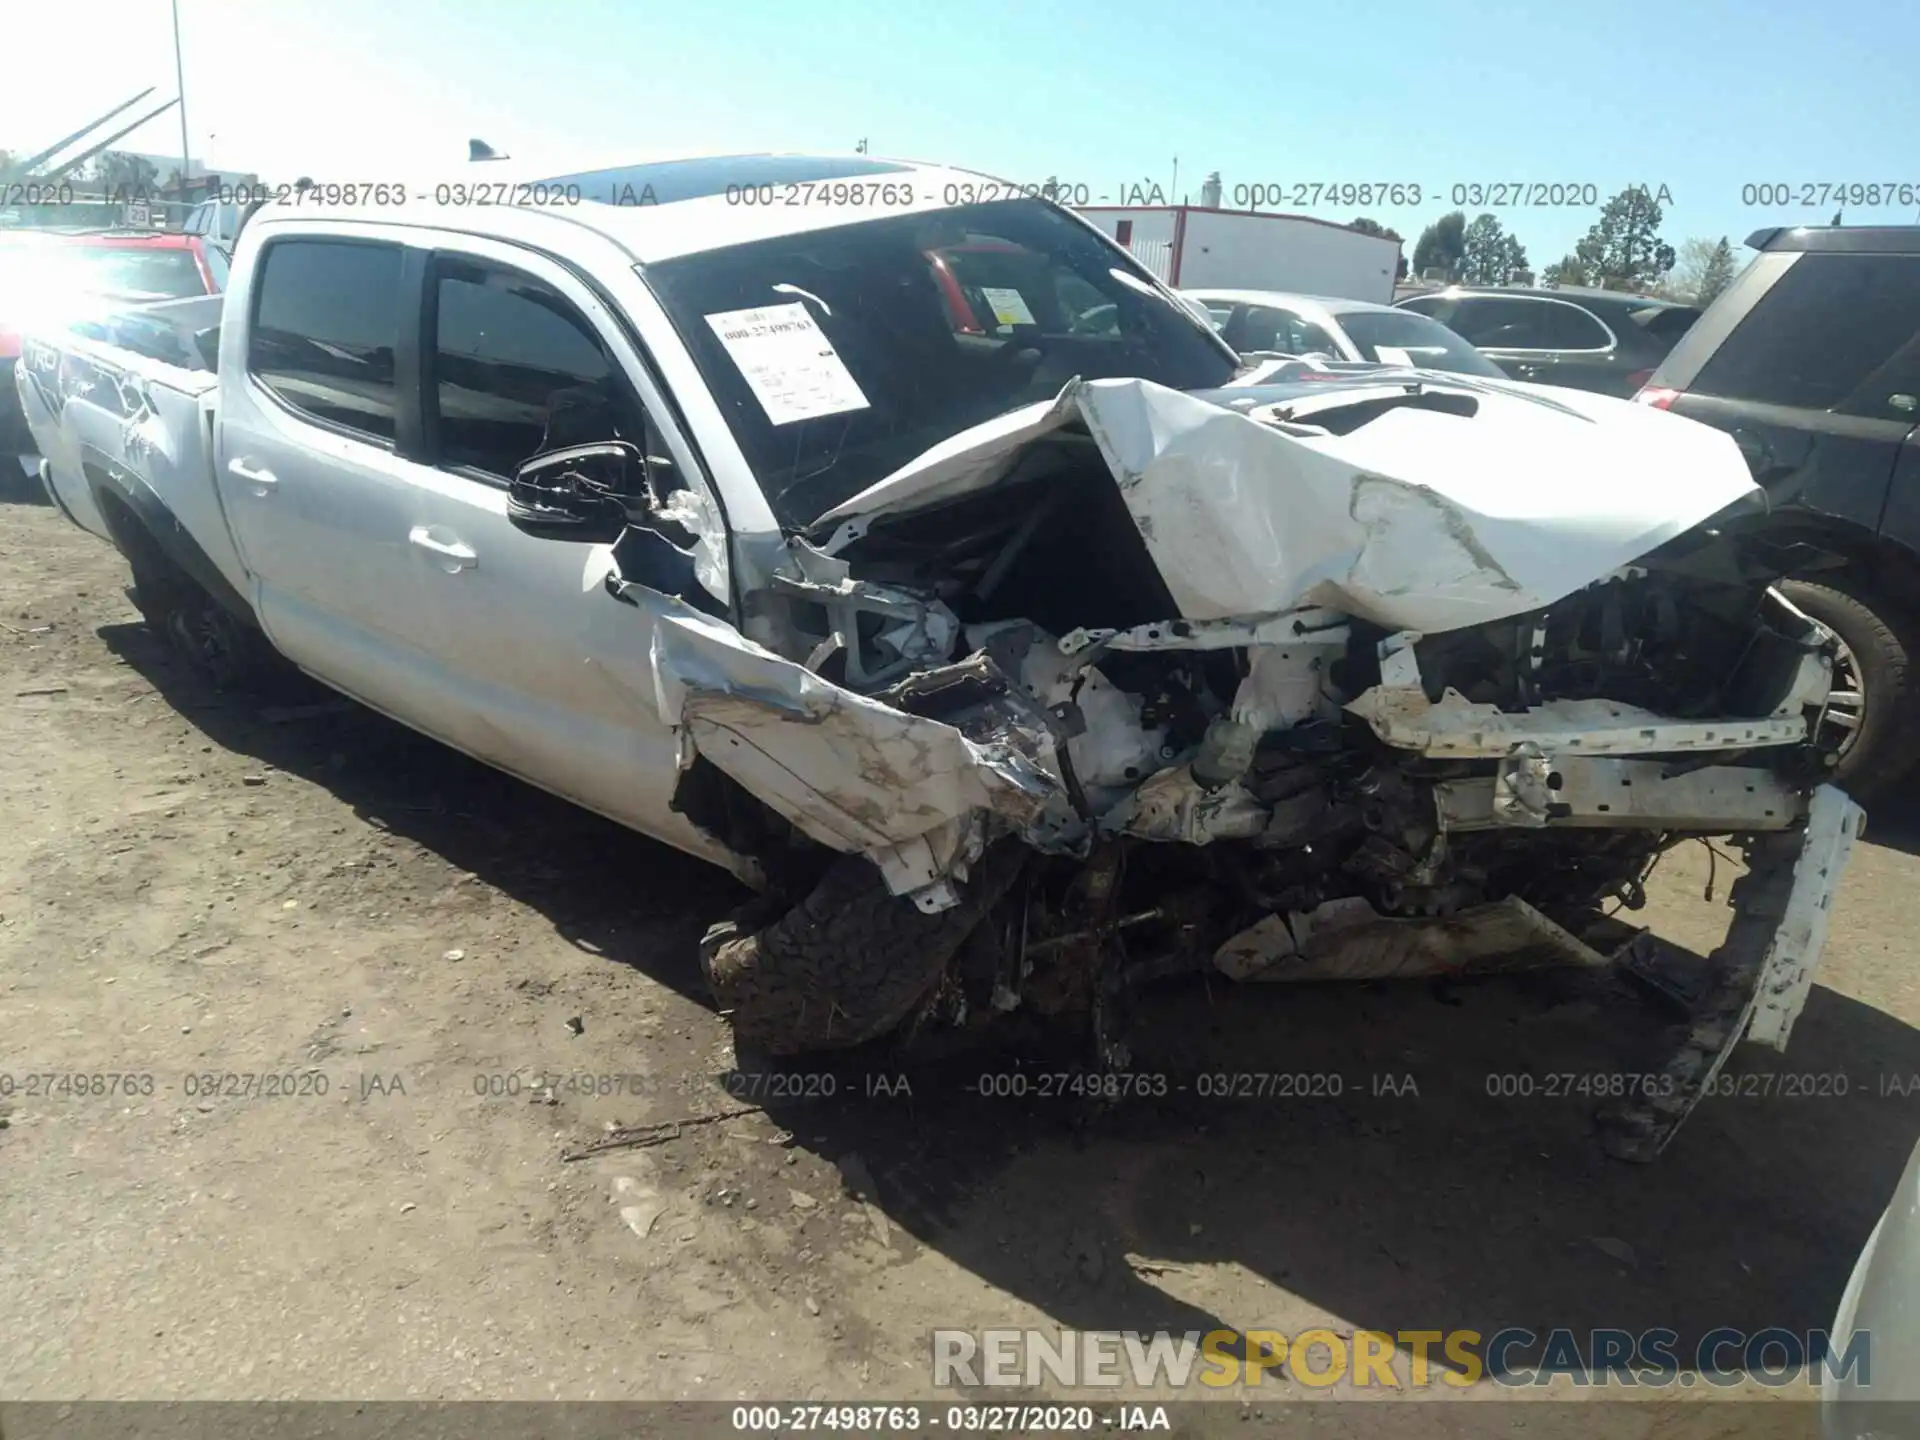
(195, 888)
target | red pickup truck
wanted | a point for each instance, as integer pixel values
(62, 274)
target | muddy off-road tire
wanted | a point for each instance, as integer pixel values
(847, 964)
(1883, 747)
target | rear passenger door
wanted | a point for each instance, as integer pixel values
(307, 457)
(519, 358)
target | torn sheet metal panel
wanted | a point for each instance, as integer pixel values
(1349, 940)
(1457, 727)
(974, 459)
(695, 512)
(1417, 518)
(1593, 793)
(850, 772)
(1834, 823)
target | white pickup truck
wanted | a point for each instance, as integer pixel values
(908, 549)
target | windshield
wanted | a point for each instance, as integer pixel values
(1398, 337)
(839, 355)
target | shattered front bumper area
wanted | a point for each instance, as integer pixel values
(1385, 725)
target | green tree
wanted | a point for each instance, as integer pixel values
(1368, 226)
(1442, 245)
(1490, 256)
(1689, 269)
(1623, 250)
(1719, 274)
(1567, 270)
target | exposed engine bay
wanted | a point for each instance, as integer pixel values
(1087, 766)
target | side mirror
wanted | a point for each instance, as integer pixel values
(578, 493)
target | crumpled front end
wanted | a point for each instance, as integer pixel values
(1379, 681)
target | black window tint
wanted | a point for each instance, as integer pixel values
(1836, 332)
(325, 323)
(1500, 322)
(1568, 327)
(518, 371)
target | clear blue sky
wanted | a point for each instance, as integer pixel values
(1702, 98)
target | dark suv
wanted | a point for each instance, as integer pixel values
(1811, 361)
(1602, 340)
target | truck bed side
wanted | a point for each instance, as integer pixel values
(121, 428)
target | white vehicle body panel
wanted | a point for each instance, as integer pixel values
(1418, 521)
(1881, 1305)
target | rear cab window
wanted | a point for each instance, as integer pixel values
(1839, 333)
(325, 326)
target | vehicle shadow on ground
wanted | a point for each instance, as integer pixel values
(1415, 1199)
(1439, 1172)
(1894, 820)
(603, 887)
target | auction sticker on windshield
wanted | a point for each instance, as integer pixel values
(1009, 306)
(792, 367)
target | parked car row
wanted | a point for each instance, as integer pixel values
(1598, 340)
(1810, 360)
(1257, 322)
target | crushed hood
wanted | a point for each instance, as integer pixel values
(1418, 519)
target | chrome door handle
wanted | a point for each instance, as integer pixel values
(456, 555)
(254, 475)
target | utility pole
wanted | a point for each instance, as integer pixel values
(180, 87)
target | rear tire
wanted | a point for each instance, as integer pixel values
(224, 650)
(1882, 747)
(847, 964)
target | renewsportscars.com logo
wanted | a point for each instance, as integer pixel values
(1397, 1360)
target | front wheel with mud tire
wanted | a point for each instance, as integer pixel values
(847, 964)
(1873, 704)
